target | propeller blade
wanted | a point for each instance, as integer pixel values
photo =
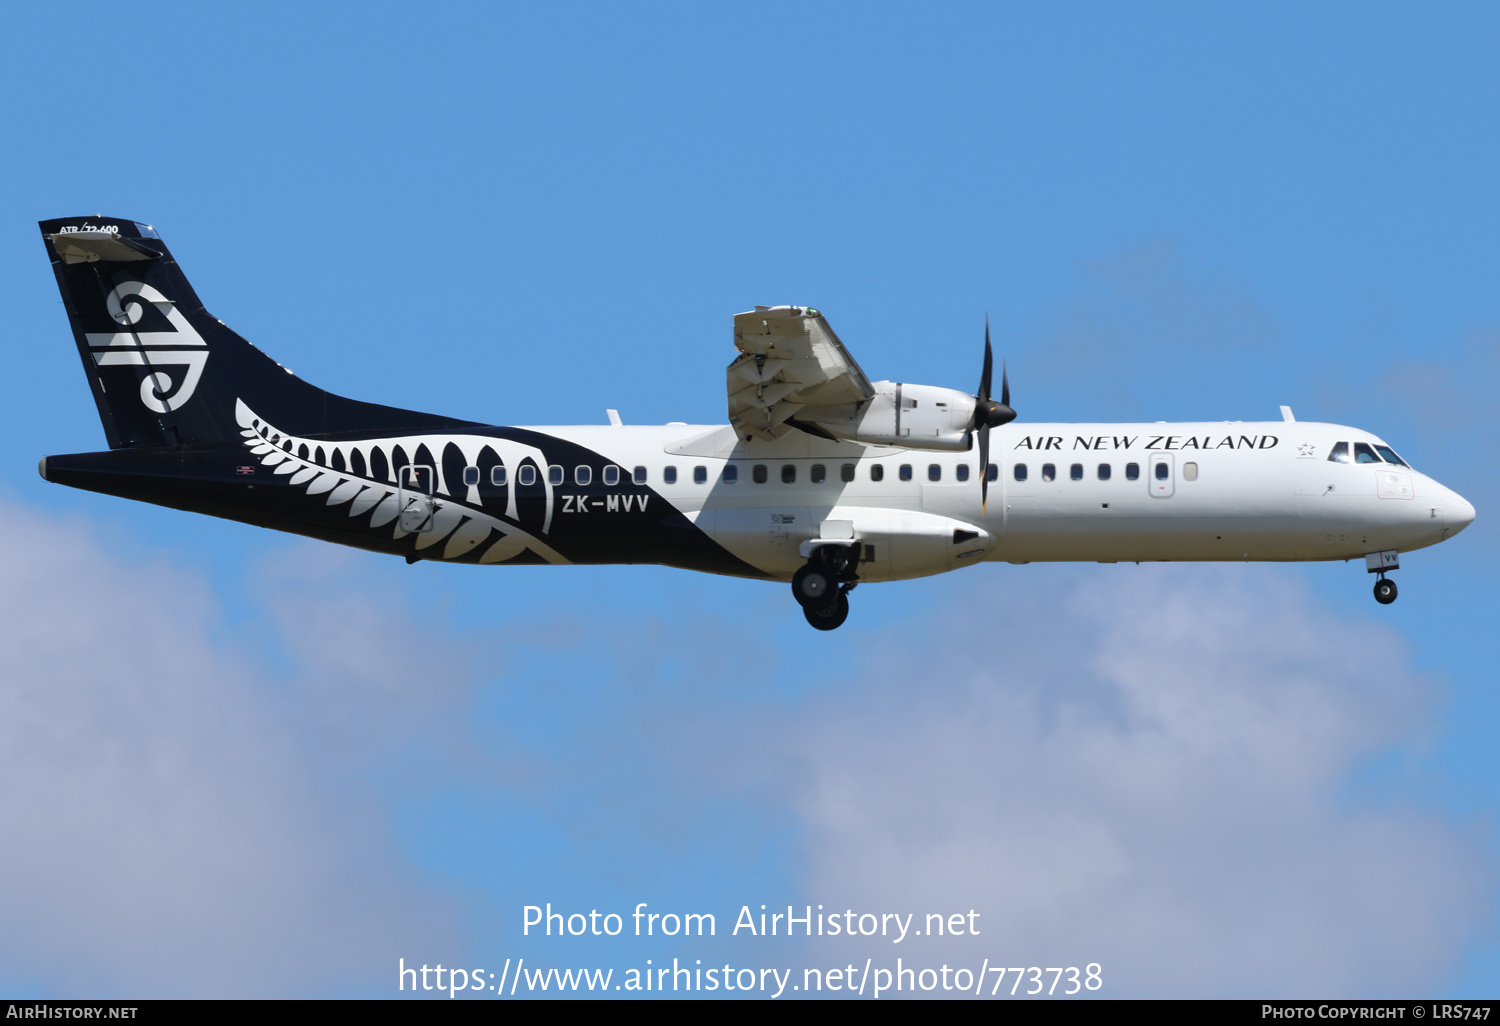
(989, 364)
(988, 413)
(984, 468)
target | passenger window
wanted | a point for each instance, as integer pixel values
(758, 473)
(1049, 472)
(1339, 453)
(1190, 471)
(497, 475)
(1162, 470)
(471, 476)
(700, 475)
(1104, 471)
(819, 473)
(669, 475)
(993, 472)
(731, 473)
(788, 473)
(611, 475)
(877, 472)
(527, 475)
(639, 475)
(962, 471)
(1076, 472)
(1364, 454)
(934, 472)
(1132, 471)
(1389, 455)
(555, 474)
(1018, 471)
(846, 472)
(905, 473)
(583, 475)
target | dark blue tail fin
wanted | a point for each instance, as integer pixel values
(162, 369)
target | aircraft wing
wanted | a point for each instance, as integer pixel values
(789, 360)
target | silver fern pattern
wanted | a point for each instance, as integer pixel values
(459, 523)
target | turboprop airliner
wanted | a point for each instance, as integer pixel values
(821, 478)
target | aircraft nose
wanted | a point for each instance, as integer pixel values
(1458, 513)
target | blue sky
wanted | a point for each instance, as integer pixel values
(312, 762)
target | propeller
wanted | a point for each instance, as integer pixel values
(988, 414)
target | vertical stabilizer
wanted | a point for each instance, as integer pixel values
(162, 369)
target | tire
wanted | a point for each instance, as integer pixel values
(831, 617)
(812, 585)
(1385, 591)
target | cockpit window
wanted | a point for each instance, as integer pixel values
(1364, 454)
(1389, 455)
(1339, 453)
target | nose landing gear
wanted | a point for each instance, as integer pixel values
(1385, 591)
(822, 587)
(1379, 563)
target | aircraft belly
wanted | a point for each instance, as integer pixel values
(895, 544)
(1142, 529)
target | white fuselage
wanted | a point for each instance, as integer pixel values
(1229, 491)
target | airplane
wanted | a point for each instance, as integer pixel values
(822, 478)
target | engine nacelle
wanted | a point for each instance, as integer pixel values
(910, 416)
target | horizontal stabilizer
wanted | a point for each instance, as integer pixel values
(86, 247)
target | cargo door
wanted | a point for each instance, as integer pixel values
(417, 501)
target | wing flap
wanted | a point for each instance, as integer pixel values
(789, 359)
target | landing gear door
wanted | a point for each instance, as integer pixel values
(1162, 479)
(417, 503)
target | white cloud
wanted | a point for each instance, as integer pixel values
(172, 824)
(1145, 767)
(1148, 768)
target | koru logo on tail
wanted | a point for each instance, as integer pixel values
(129, 303)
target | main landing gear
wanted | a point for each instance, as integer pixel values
(822, 587)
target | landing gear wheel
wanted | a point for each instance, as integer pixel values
(1385, 591)
(827, 618)
(812, 585)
